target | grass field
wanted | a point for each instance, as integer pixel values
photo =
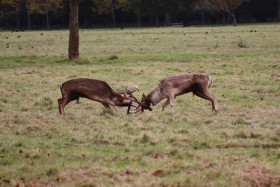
(90, 146)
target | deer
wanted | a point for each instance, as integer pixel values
(96, 90)
(174, 86)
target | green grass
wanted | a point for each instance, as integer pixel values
(190, 147)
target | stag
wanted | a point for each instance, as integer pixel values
(173, 86)
(95, 90)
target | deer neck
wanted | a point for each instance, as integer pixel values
(155, 96)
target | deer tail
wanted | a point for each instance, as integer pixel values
(61, 90)
(209, 81)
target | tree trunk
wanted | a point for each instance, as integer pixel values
(123, 16)
(86, 22)
(114, 18)
(73, 50)
(139, 20)
(157, 22)
(151, 21)
(48, 23)
(224, 19)
(28, 21)
(18, 21)
(167, 19)
(278, 10)
(233, 19)
(202, 17)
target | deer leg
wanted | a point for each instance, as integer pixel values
(109, 102)
(206, 95)
(214, 103)
(106, 105)
(65, 101)
(171, 100)
(115, 109)
(165, 104)
(59, 101)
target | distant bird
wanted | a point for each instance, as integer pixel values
(18, 36)
(42, 34)
(7, 37)
(206, 32)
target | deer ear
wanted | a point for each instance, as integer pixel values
(143, 96)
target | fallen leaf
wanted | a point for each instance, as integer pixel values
(157, 173)
(105, 142)
(128, 171)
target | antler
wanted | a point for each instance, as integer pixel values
(129, 90)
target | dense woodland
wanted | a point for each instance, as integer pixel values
(54, 14)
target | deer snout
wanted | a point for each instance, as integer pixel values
(151, 107)
(127, 102)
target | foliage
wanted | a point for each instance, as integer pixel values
(42, 6)
(10, 6)
(179, 11)
(107, 6)
(226, 5)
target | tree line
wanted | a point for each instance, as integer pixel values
(28, 14)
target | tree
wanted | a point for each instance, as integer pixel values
(11, 7)
(227, 6)
(278, 3)
(137, 7)
(43, 7)
(203, 6)
(4, 8)
(73, 49)
(109, 6)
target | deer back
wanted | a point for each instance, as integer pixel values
(88, 88)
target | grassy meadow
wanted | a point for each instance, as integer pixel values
(89, 146)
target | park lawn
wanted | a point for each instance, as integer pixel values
(240, 146)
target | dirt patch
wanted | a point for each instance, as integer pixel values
(77, 176)
(34, 182)
(155, 155)
(260, 176)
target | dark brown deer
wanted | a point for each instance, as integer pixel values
(95, 90)
(173, 86)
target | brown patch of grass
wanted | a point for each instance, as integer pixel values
(260, 176)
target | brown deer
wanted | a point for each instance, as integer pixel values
(173, 86)
(95, 90)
